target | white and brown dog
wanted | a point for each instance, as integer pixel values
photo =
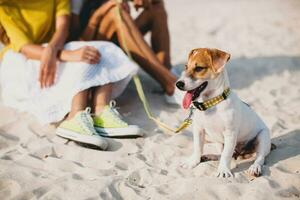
(221, 117)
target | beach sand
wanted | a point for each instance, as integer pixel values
(263, 38)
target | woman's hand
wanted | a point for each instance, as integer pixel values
(48, 55)
(87, 54)
(48, 67)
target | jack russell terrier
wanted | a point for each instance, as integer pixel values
(220, 116)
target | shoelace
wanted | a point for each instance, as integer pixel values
(113, 110)
(87, 121)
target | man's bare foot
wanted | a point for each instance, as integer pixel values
(169, 89)
(169, 85)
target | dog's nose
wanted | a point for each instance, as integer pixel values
(180, 85)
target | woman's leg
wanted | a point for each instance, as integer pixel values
(107, 121)
(79, 129)
(101, 97)
(79, 103)
(140, 50)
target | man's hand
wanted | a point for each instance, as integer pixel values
(48, 67)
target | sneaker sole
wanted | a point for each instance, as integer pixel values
(131, 131)
(86, 139)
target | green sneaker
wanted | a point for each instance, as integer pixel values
(80, 129)
(110, 124)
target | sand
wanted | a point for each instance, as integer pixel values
(263, 38)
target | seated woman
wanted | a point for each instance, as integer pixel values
(41, 75)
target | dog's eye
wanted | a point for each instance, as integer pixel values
(198, 69)
(185, 66)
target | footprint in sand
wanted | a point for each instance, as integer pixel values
(134, 178)
(121, 166)
(290, 192)
(9, 188)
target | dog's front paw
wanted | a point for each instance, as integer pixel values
(224, 172)
(254, 170)
(190, 163)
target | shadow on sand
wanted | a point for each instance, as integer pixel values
(287, 146)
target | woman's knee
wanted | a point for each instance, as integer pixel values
(112, 14)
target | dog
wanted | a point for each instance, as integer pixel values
(220, 116)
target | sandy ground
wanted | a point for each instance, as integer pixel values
(263, 38)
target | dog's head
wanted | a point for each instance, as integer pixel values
(203, 68)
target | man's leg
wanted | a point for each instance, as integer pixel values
(111, 26)
(154, 19)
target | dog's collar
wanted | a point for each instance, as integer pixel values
(213, 101)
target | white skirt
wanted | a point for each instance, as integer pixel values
(21, 89)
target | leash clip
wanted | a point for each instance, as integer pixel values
(189, 120)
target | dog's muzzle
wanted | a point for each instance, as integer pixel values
(180, 85)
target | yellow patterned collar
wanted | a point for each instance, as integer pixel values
(213, 101)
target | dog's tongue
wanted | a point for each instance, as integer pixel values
(187, 100)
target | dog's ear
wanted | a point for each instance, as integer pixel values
(191, 52)
(219, 59)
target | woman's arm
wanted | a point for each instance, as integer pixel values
(61, 32)
(48, 55)
(54, 50)
(33, 51)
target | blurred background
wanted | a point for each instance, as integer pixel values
(245, 28)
